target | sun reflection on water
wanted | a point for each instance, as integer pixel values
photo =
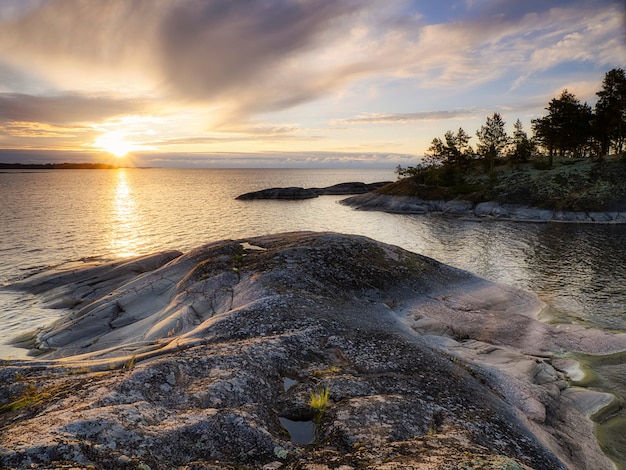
(124, 240)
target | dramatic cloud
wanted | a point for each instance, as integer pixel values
(65, 108)
(246, 54)
(209, 48)
(279, 71)
(259, 56)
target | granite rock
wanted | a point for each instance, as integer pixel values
(186, 365)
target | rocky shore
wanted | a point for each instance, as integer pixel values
(210, 359)
(482, 210)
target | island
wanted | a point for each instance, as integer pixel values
(296, 350)
(295, 192)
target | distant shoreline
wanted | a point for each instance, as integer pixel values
(65, 166)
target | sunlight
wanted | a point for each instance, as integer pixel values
(121, 136)
(114, 142)
(124, 236)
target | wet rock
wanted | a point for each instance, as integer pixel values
(184, 366)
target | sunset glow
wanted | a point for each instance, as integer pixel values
(282, 83)
(114, 143)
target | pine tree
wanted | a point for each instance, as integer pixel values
(492, 139)
(567, 129)
(522, 147)
(610, 112)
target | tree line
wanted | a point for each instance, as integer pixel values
(570, 129)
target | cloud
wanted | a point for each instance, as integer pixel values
(212, 48)
(209, 140)
(595, 38)
(69, 61)
(259, 56)
(35, 129)
(375, 118)
(65, 108)
(503, 39)
(47, 156)
(319, 159)
(246, 54)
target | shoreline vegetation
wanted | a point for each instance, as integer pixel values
(569, 184)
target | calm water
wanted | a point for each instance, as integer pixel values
(52, 217)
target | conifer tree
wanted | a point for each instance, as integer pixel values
(492, 139)
(610, 112)
(522, 147)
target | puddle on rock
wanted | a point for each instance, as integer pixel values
(301, 432)
(288, 383)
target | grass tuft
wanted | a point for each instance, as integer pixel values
(319, 398)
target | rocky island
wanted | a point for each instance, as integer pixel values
(296, 192)
(297, 351)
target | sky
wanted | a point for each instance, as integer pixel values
(286, 83)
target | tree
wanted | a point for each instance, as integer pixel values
(453, 150)
(566, 129)
(437, 153)
(522, 147)
(545, 133)
(610, 112)
(492, 139)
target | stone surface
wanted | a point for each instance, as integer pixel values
(482, 210)
(185, 365)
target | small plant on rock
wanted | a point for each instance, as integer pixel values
(319, 399)
(130, 364)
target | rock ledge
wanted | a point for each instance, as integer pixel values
(483, 210)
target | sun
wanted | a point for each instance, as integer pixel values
(115, 143)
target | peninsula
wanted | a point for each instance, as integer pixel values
(572, 190)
